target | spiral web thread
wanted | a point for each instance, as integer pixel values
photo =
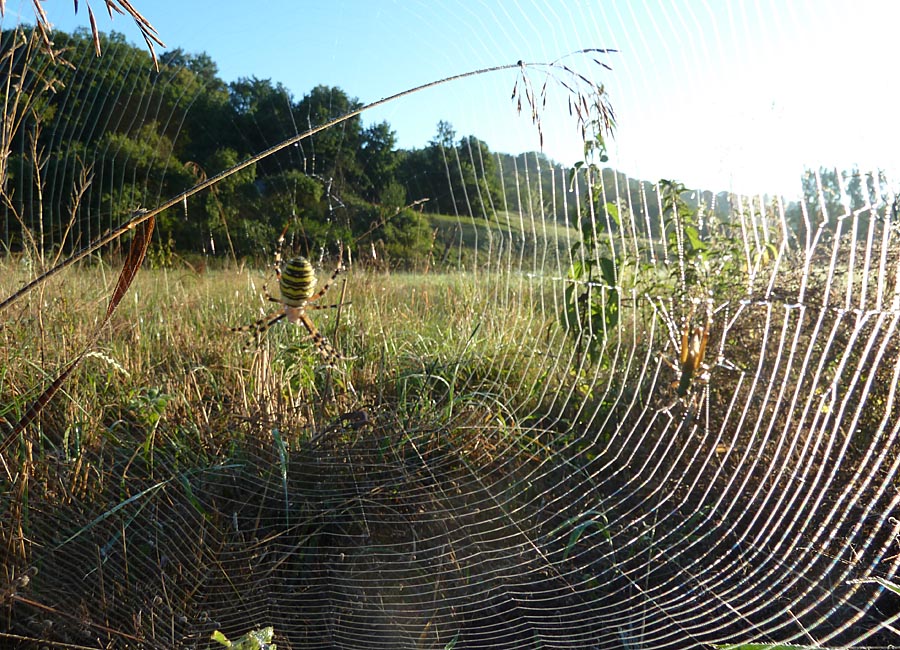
(546, 484)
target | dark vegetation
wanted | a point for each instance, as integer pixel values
(140, 135)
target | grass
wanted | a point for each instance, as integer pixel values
(461, 443)
(170, 424)
(510, 232)
(446, 482)
(170, 335)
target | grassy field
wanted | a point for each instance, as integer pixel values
(516, 234)
(170, 338)
(461, 441)
(171, 417)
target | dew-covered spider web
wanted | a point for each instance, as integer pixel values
(579, 403)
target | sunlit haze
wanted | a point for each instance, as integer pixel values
(724, 96)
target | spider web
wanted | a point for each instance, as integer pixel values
(548, 464)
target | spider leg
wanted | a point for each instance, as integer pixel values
(274, 319)
(278, 248)
(268, 295)
(334, 306)
(259, 327)
(337, 271)
(276, 266)
(322, 345)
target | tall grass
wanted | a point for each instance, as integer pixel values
(167, 359)
(440, 370)
(121, 392)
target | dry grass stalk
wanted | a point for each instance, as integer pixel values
(148, 32)
(136, 254)
(122, 7)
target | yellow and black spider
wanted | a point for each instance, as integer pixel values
(297, 283)
(691, 341)
(694, 339)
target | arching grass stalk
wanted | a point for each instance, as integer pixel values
(593, 95)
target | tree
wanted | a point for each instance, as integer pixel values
(230, 203)
(331, 155)
(379, 161)
(829, 194)
(139, 170)
(263, 115)
(478, 178)
(445, 136)
(202, 104)
(294, 200)
(201, 65)
(407, 238)
(457, 177)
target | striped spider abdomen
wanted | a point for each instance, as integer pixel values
(297, 282)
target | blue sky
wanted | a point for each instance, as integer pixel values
(721, 95)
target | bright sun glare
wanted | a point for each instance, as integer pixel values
(720, 95)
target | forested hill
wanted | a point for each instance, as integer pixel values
(100, 137)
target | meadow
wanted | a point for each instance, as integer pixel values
(175, 425)
(188, 479)
(171, 337)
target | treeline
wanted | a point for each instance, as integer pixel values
(105, 136)
(88, 140)
(119, 135)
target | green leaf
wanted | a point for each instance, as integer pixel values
(608, 271)
(260, 639)
(693, 237)
(577, 270)
(612, 309)
(578, 531)
(283, 462)
(613, 211)
(195, 502)
(573, 173)
(887, 584)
